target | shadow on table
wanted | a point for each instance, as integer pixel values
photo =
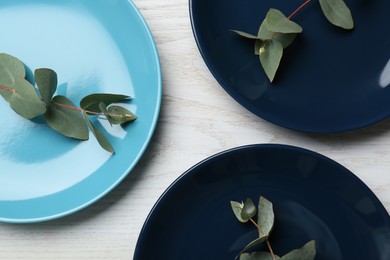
(377, 130)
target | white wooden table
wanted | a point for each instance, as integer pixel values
(198, 119)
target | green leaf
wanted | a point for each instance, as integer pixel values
(338, 13)
(255, 242)
(276, 21)
(237, 209)
(46, 80)
(307, 252)
(260, 255)
(103, 109)
(119, 115)
(258, 44)
(246, 35)
(24, 99)
(264, 33)
(91, 102)
(248, 209)
(284, 38)
(67, 121)
(270, 55)
(10, 68)
(265, 216)
(102, 140)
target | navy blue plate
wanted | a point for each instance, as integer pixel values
(313, 196)
(330, 80)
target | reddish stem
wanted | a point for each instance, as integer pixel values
(7, 88)
(75, 108)
(299, 8)
(66, 106)
(293, 13)
(258, 227)
(268, 243)
(56, 103)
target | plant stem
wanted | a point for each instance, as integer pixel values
(266, 241)
(293, 13)
(75, 108)
(258, 227)
(58, 104)
(7, 88)
(299, 8)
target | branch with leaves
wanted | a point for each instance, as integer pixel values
(245, 212)
(277, 32)
(58, 111)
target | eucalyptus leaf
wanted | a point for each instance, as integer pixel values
(67, 121)
(102, 140)
(46, 80)
(276, 21)
(119, 115)
(264, 33)
(237, 209)
(246, 35)
(260, 255)
(258, 44)
(338, 13)
(284, 38)
(24, 99)
(265, 216)
(248, 209)
(270, 56)
(255, 242)
(91, 102)
(103, 109)
(10, 68)
(307, 252)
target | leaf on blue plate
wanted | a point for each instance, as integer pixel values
(24, 99)
(338, 13)
(265, 216)
(270, 54)
(67, 121)
(10, 69)
(248, 209)
(120, 115)
(91, 102)
(246, 35)
(103, 109)
(255, 242)
(46, 80)
(102, 140)
(276, 21)
(284, 38)
(307, 252)
(237, 209)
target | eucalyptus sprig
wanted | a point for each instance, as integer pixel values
(245, 211)
(277, 32)
(58, 111)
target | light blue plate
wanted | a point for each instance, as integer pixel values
(94, 46)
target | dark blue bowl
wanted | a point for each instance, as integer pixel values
(330, 80)
(313, 196)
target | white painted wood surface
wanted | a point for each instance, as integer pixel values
(198, 119)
